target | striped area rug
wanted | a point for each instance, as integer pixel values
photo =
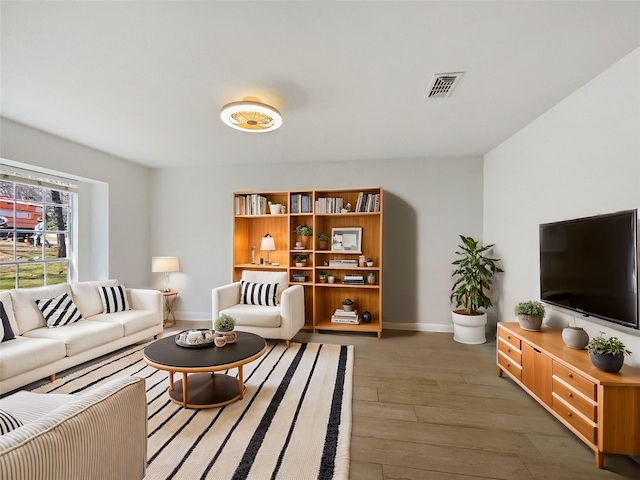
(294, 422)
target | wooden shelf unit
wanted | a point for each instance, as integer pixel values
(602, 409)
(321, 299)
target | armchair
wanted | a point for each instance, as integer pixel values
(281, 321)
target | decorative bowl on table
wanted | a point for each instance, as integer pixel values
(198, 338)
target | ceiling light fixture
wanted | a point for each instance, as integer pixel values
(250, 115)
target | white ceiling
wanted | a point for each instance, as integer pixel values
(146, 80)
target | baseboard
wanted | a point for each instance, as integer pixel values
(418, 327)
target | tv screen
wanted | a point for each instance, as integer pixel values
(590, 265)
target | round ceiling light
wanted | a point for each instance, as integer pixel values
(251, 116)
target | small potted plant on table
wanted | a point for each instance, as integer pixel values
(530, 315)
(607, 354)
(224, 326)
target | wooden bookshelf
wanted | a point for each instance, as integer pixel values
(319, 209)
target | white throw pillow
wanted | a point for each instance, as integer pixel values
(59, 311)
(114, 299)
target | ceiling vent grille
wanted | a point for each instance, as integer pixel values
(442, 84)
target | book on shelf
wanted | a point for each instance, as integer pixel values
(368, 202)
(345, 313)
(300, 203)
(250, 204)
(341, 316)
(343, 263)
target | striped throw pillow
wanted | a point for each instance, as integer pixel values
(114, 299)
(59, 311)
(258, 293)
(8, 422)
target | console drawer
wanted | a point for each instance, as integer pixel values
(510, 351)
(508, 337)
(573, 398)
(508, 364)
(574, 379)
(572, 418)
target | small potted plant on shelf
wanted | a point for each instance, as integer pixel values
(530, 315)
(348, 305)
(607, 354)
(300, 259)
(224, 326)
(323, 239)
(302, 231)
(322, 276)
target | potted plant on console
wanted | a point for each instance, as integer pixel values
(607, 354)
(473, 278)
(530, 315)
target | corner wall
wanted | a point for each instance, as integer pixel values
(114, 206)
(580, 158)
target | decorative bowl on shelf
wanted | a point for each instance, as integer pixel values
(200, 338)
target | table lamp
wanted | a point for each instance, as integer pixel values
(267, 244)
(166, 265)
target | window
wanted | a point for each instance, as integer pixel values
(35, 243)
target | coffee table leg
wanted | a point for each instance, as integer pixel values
(171, 380)
(240, 382)
(185, 389)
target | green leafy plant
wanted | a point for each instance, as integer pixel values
(473, 272)
(224, 323)
(348, 301)
(531, 308)
(300, 258)
(607, 346)
(304, 230)
(322, 274)
(324, 236)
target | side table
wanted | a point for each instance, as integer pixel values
(169, 313)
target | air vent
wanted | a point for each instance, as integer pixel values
(442, 84)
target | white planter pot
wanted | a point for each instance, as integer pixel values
(469, 329)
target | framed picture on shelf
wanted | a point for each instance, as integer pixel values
(346, 239)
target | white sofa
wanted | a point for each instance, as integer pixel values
(100, 433)
(281, 321)
(39, 351)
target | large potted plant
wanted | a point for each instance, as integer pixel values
(607, 354)
(473, 275)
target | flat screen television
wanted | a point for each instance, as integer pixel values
(590, 265)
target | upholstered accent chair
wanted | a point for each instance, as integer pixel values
(266, 306)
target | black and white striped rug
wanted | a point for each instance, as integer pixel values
(294, 421)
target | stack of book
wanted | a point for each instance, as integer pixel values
(299, 277)
(343, 263)
(300, 203)
(368, 202)
(353, 279)
(341, 316)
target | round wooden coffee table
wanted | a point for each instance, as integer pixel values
(204, 388)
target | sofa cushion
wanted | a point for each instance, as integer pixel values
(59, 311)
(258, 293)
(114, 299)
(281, 278)
(29, 406)
(8, 422)
(25, 354)
(80, 336)
(87, 298)
(131, 321)
(28, 317)
(6, 332)
(254, 315)
(5, 298)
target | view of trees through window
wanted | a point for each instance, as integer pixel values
(34, 235)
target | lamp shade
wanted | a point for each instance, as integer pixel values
(267, 244)
(165, 264)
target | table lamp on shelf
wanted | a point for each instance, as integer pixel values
(268, 245)
(165, 265)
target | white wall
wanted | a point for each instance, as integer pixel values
(580, 158)
(114, 201)
(428, 203)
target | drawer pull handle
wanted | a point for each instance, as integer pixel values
(571, 375)
(571, 394)
(568, 414)
(508, 349)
